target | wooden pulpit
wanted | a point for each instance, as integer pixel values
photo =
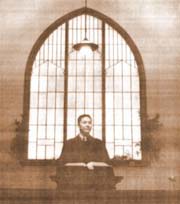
(78, 178)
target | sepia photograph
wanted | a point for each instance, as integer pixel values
(89, 102)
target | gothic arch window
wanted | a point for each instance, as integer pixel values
(61, 84)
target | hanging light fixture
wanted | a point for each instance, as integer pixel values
(85, 46)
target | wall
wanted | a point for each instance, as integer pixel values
(154, 26)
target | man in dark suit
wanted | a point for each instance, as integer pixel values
(84, 162)
(84, 148)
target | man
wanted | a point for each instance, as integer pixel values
(84, 148)
(84, 151)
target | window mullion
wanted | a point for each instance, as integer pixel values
(66, 81)
(103, 85)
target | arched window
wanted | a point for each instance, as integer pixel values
(61, 84)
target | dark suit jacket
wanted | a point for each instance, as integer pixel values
(76, 150)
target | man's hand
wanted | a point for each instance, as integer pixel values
(90, 166)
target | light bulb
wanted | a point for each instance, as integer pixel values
(86, 51)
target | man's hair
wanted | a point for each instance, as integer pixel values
(83, 116)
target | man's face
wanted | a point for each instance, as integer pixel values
(85, 125)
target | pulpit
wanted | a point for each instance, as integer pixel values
(77, 178)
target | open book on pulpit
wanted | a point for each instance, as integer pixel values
(93, 164)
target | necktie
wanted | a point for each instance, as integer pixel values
(84, 139)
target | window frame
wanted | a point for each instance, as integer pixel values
(142, 81)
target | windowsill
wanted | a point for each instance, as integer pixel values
(32, 162)
(130, 163)
(116, 163)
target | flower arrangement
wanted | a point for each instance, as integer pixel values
(19, 142)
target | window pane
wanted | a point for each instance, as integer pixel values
(51, 83)
(89, 100)
(127, 132)
(44, 142)
(80, 84)
(59, 133)
(136, 133)
(35, 70)
(34, 100)
(60, 84)
(49, 152)
(135, 100)
(43, 69)
(89, 84)
(128, 54)
(127, 100)
(118, 150)
(70, 132)
(58, 149)
(32, 150)
(80, 100)
(41, 152)
(118, 84)
(126, 68)
(135, 117)
(127, 117)
(126, 84)
(97, 84)
(134, 69)
(50, 116)
(118, 132)
(97, 131)
(34, 84)
(109, 100)
(59, 116)
(60, 70)
(43, 84)
(33, 117)
(118, 69)
(80, 112)
(118, 117)
(109, 133)
(59, 100)
(90, 112)
(128, 151)
(111, 52)
(116, 52)
(42, 116)
(71, 100)
(109, 116)
(89, 68)
(51, 67)
(72, 84)
(123, 142)
(97, 100)
(135, 84)
(71, 117)
(110, 149)
(41, 131)
(97, 65)
(45, 52)
(124, 49)
(97, 117)
(109, 84)
(118, 100)
(51, 100)
(80, 68)
(32, 133)
(50, 131)
(42, 100)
